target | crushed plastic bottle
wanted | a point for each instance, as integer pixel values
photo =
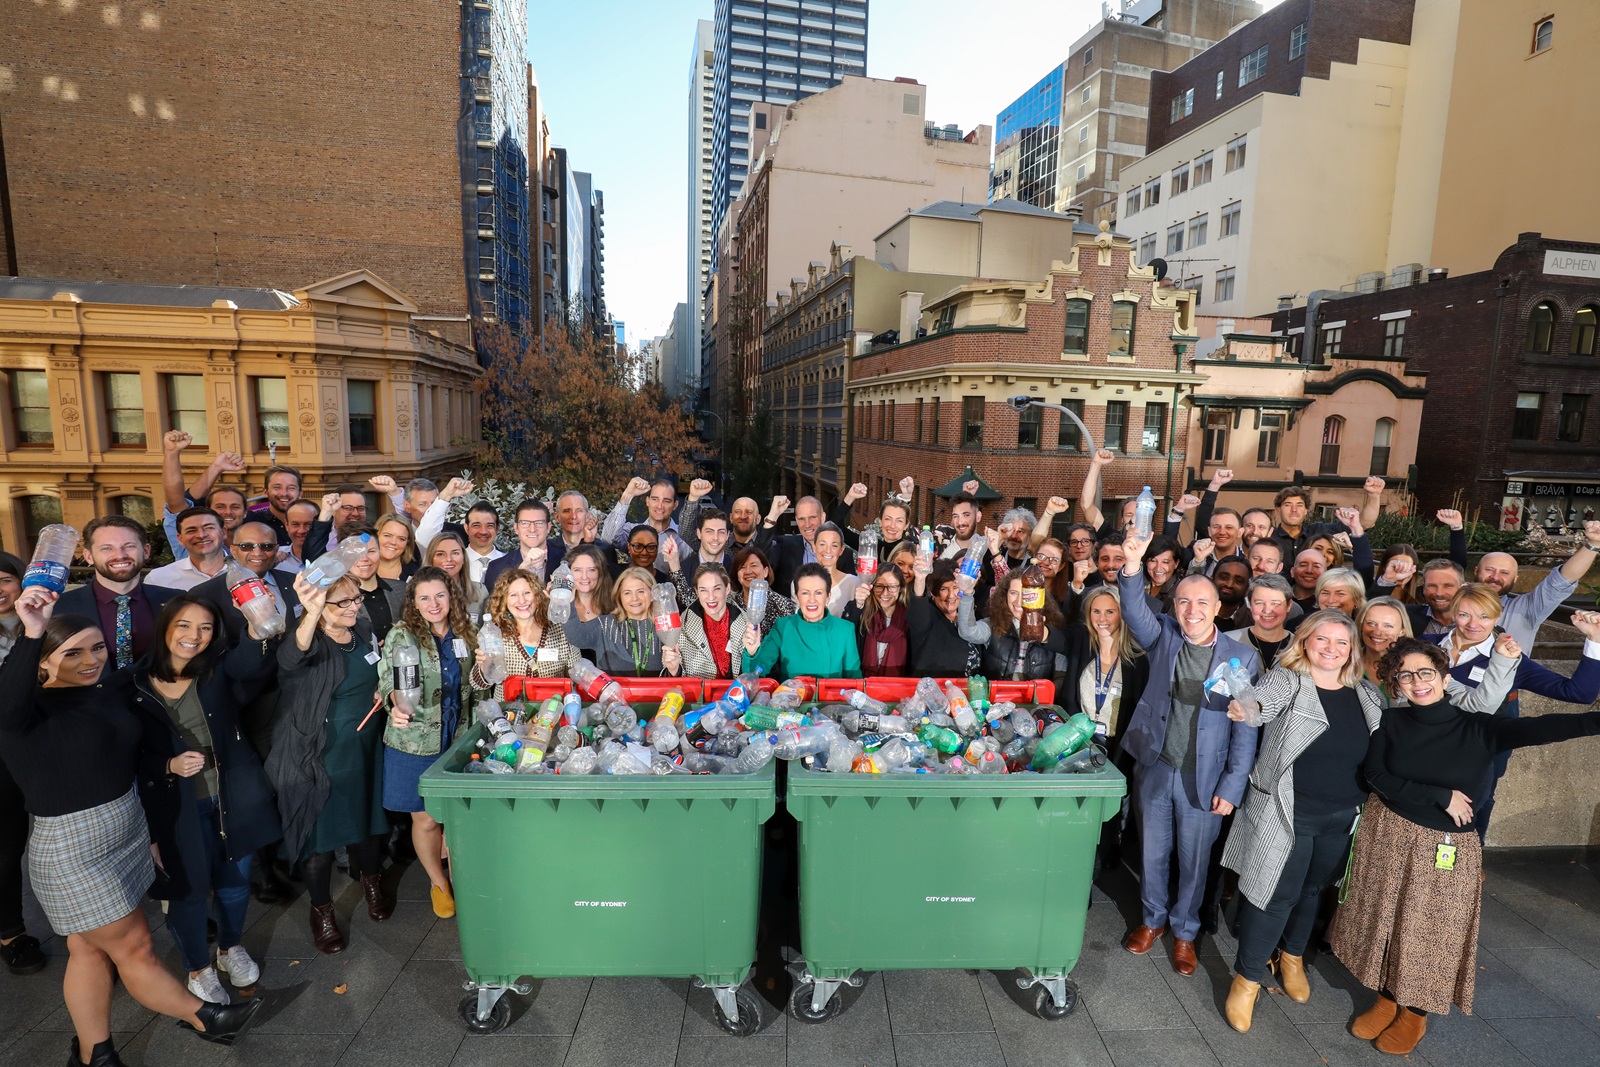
(52, 556)
(664, 613)
(334, 564)
(562, 590)
(492, 643)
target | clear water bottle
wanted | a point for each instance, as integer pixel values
(52, 555)
(873, 722)
(966, 719)
(861, 702)
(582, 761)
(254, 599)
(931, 696)
(571, 709)
(756, 755)
(926, 547)
(561, 590)
(336, 563)
(405, 662)
(806, 741)
(1242, 689)
(867, 555)
(494, 719)
(1144, 513)
(595, 683)
(971, 564)
(492, 643)
(664, 613)
(756, 604)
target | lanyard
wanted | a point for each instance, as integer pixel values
(1102, 683)
(640, 657)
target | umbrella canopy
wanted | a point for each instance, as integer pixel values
(952, 487)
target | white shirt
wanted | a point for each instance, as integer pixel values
(182, 574)
(477, 564)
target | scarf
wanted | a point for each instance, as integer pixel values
(892, 634)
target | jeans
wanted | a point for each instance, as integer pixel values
(1321, 845)
(13, 847)
(230, 884)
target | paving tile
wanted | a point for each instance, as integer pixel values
(303, 998)
(759, 1050)
(551, 1009)
(1273, 1036)
(416, 1021)
(636, 1021)
(1563, 976)
(1122, 991)
(1336, 997)
(443, 942)
(1459, 1040)
(1339, 1048)
(948, 1050)
(506, 1051)
(128, 1016)
(25, 1002)
(1142, 1048)
(936, 1002)
(51, 1046)
(859, 1034)
(276, 1050)
(1551, 1042)
(700, 1020)
(1029, 1041)
(1502, 993)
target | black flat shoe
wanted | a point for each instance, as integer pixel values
(102, 1056)
(23, 955)
(225, 1024)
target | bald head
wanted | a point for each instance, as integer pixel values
(1498, 569)
(742, 517)
(808, 516)
(1195, 603)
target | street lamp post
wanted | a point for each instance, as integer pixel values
(1022, 403)
(722, 455)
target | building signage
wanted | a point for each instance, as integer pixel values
(1560, 489)
(1572, 264)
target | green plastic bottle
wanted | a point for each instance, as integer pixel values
(945, 740)
(1063, 742)
(762, 717)
(978, 690)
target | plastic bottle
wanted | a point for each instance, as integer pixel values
(621, 719)
(664, 613)
(562, 591)
(756, 602)
(1031, 627)
(492, 643)
(872, 722)
(571, 709)
(494, 719)
(542, 726)
(931, 695)
(971, 564)
(52, 555)
(1242, 689)
(582, 761)
(961, 712)
(1063, 741)
(925, 549)
(791, 694)
(334, 564)
(1144, 512)
(861, 702)
(254, 599)
(947, 741)
(663, 731)
(803, 742)
(991, 763)
(978, 690)
(475, 765)
(1025, 725)
(757, 754)
(594, 683)
(406, 663)
(761, 717)
(867, 555)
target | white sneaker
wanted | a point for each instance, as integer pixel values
(208, 987)
(236, 963)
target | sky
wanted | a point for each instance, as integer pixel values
(614, 75)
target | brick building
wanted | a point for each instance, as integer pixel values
(1094, 332)
(1510, 355)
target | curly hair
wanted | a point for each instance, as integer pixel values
(412, 622)
(1000, 621)
(1392, 660)
(498, 610)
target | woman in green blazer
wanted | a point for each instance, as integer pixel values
(812, 642)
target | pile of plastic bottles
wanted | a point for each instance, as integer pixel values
(938, 730)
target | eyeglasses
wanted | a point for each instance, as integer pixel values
(353, 507)
(345, 603)
(1426, 674)
(641, 546)
(1041, 558)
(1080, 540)
(533, 524)
(255, 546)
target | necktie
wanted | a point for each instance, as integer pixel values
(124, 630)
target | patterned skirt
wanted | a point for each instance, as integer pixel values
(1405, 925)
(92, 867)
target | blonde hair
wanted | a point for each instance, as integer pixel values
(1483, 597)
(1127, 647)
(1350, 580)
(619, 612)
(1293, 656)
(400, 518)
(1393, 604)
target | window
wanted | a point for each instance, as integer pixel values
(141, 509)
(1174, 238)
(124, 398)
(1525, 422)
(1030, 426)
(1543, 32)
(1583, 332)
(1183, 105)
(1083, 171)
(972, 422)
(1180, 180)
(1541, 328)
(1224, 289)
(1133, 203)
(1220, 77)
(363, 400)
(1268, 440)
(1297, 41)
(888, 420)
(1068, 437)
(1152, 192)
(1116, 425)
(1083, 133)
(1202, 169)
(1122, 315)
(1155, 427)
(1083, 98)
(1332, 431)
(1194, 285)
(1382, 438)
(1231, 216)
(761, 120)
(1235, 157)
(933, 436)
(1252, 66)
(1197, 230)
(272, 413)
(1077, 335)
(1394, 337)
(1147, 248)
(186, 406)
(1569, 426)
(30, 409)
(919, 420)
(1088, 56)
(37, 513)
(1332, 340)
(1215, 448)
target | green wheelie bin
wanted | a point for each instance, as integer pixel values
(930, 871)
(648, 875)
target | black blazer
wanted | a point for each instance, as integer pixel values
(555, 552)
(788, 555)
(80, 601)
(1135, 674)
(214, 591)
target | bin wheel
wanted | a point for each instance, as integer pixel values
(499, 1016)
(1045, 1006)
(800, 1004)
(749, 1020)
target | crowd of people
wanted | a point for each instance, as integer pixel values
(216, 758)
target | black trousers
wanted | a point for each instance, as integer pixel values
(13, 847)
(1321, 844)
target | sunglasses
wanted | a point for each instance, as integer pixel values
(255, 546)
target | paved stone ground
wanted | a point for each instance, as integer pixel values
(1538, 1002)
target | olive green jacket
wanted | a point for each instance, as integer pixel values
(421, 736)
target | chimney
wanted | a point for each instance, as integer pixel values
(910, 315)
(1074, 212)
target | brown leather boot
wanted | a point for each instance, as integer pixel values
(1403, 1034)
(379, 907)
(1241, 1006)
(1372, 1022)
(1292, 976)
(325, 931)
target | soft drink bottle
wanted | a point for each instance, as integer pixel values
(571, 709)
(971, 564)
(336, 563)
(1031, 627)
(52, 555)
(494, 719)
(595, 683)
(861, 702)
(947, 741)
(961, 712)
(561, 592)
(1063, 741)
(475, 765)
(991, 763)
(406, 664)
(925, 549)
(1144, 513)
(756, 603)
(621, 719)
(791, 694)
(254, 599)
(664, 613)
(867, 555)
(803, 742)
(542, 726)
(492, 643)
(978, 690)
(761, 717)
(663, 731)
(873, 722)
(931, 695)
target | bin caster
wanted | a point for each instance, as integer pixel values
(486, 1011)
(1054, 996)
(802, 1003)
(745, 1019)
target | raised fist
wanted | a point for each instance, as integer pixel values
(636, 487)
(856, 492)
(1399, 570)
(1507, 646)
(699, 489)
(1220, 478)
(1203, 548)
(908, 485)
(176, 440)
(1056, 505)
(1449, 517)
(1186, 503)
(456, 487)
(230, 461)
(1374, 485)
(1102, 456)
(780, 504)
(970, 486)
(1080, 571)
(383, 484)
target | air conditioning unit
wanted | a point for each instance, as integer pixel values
(1370, 282)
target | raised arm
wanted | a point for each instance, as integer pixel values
(1458, 536)
(1141, 620)
(972, 629)
(1578, 564)
(1584, 685)
(614, 529)
(1497, 680)
(1047, 518)
(1372, 503)
(1089, 498)
(19, 675)
(173, 442)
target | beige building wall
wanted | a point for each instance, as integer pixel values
(1419, 167)
(922, 242)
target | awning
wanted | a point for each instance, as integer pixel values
(952, 487)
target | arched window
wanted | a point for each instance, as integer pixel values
(1382, 437)
(1543, 32)
(1583, 331)
(1541, 328)
(1332, 433)
(1076, 340)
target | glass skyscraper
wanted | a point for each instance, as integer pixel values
(1027, 142)
(493, 144)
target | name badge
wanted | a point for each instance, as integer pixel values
(461, 648)
(372, 657)
(546, 655)
(1475, 675)
(299, 610)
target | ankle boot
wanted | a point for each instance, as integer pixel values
(104, 1055)
(1241, 1006)
(1403, 1034)
(1372, 1022)
(225, 1024)
(325, 930)
(1292, 976)
(379, 907)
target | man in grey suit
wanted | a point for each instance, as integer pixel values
(1191, 762)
